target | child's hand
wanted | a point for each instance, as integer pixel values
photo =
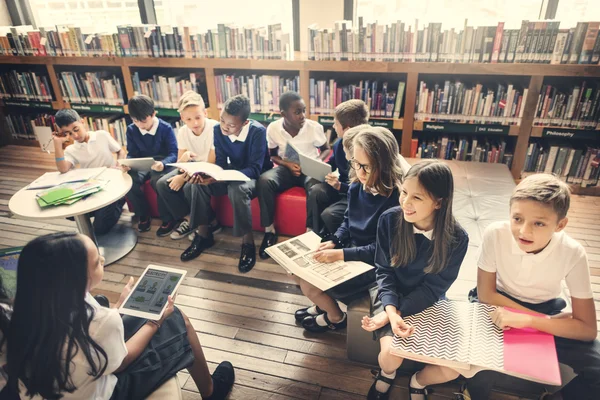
(169, 310)
(333, 181)
(126, 290)
(158, 166)
(188, 156)
(123, 168)
(58, 138)
(505, 319)
(399, 327)
(294, 168)
(176, 182)
(329, 256)
(326, 246)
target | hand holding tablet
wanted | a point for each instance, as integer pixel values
(149, 297)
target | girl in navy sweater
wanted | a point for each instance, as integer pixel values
(376, 176)
(420, 248)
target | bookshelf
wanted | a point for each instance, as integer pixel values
(412, 73)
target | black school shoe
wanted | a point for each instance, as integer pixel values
(223, 379)
(303, 313)
(144, 224)
(310, 324)
(166, 228)
(198, 246)
(247, 257)
(268, 240)
(373, 393)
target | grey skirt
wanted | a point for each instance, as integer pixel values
(376, 308)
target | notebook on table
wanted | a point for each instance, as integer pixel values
(51, 179)
(462, 336)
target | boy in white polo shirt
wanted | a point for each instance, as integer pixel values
(91, 149)
(195, 143)
(522, 265)
(308, 137)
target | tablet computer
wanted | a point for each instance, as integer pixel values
(148, 299)
(314, 168)
(138, 164)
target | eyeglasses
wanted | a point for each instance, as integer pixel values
(355, 165)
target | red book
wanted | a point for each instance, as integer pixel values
(414, 145)
(497, 42)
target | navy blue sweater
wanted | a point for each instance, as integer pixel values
(338, 161)
(359, 228)
(163, 144)
(409, 288)
(250, 157)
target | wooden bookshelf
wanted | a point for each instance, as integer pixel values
(414, 72)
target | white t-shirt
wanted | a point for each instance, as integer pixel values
(535, 278)
(96, 153)
(310, 137)
(200, 145)
(106, 329)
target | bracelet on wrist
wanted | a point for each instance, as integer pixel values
(154, 323)
(59, 158)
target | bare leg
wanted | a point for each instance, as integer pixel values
(199, 369)
(322, 300)
(435, 374)
(388, 362)
(371, 324)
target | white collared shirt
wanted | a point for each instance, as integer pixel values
(241, 137)
(152, 130)
(310, 137)
(106, 329)
(535, 278)
(200, 145)
(427, 234)
(95, 153)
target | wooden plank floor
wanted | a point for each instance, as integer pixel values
(247, 318)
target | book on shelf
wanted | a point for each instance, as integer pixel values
(573, 163)
(25, 86)
(91, 88)
(166, 90)
(577, 107)
(262, 90)
(383, 99)
(477, 149)
(539, 42)
(116, 125)
(470, 103)
(22, 126)
(227, 41)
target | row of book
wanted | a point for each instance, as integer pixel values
(91, 88)
(576, 107)
(381, 98)
(578, 165)
(535, 42)
(226, 41)
(21, 126)
(486, 150)
(27, 86)
(468, 103)
(166, 90)
(262, 90)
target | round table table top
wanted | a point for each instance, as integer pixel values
(24, 204)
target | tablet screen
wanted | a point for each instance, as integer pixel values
(151, 293)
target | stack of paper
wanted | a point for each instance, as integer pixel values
(68, 193)
(52, 179)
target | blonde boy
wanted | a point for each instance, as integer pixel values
(194, 143)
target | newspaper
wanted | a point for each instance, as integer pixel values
(297, 257)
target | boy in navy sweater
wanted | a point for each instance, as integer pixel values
(148, 136)
(328, 200)
(240, 144)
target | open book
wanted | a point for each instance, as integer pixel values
(51, 179)
(297, 257)
(211, 170)
(462, 336)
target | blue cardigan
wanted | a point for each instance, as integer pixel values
(162, 144)
(338, 161)
(250, 157)
(358, 231)
(408, 287)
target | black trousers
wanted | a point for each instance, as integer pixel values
(327, 207)
(136, 194)
(583, 357)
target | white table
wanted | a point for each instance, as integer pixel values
(115, 244)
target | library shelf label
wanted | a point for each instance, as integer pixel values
(28, 104)
(265, 117)
(570, 133)
(167, 112)
(501, 130)
(97, 108)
